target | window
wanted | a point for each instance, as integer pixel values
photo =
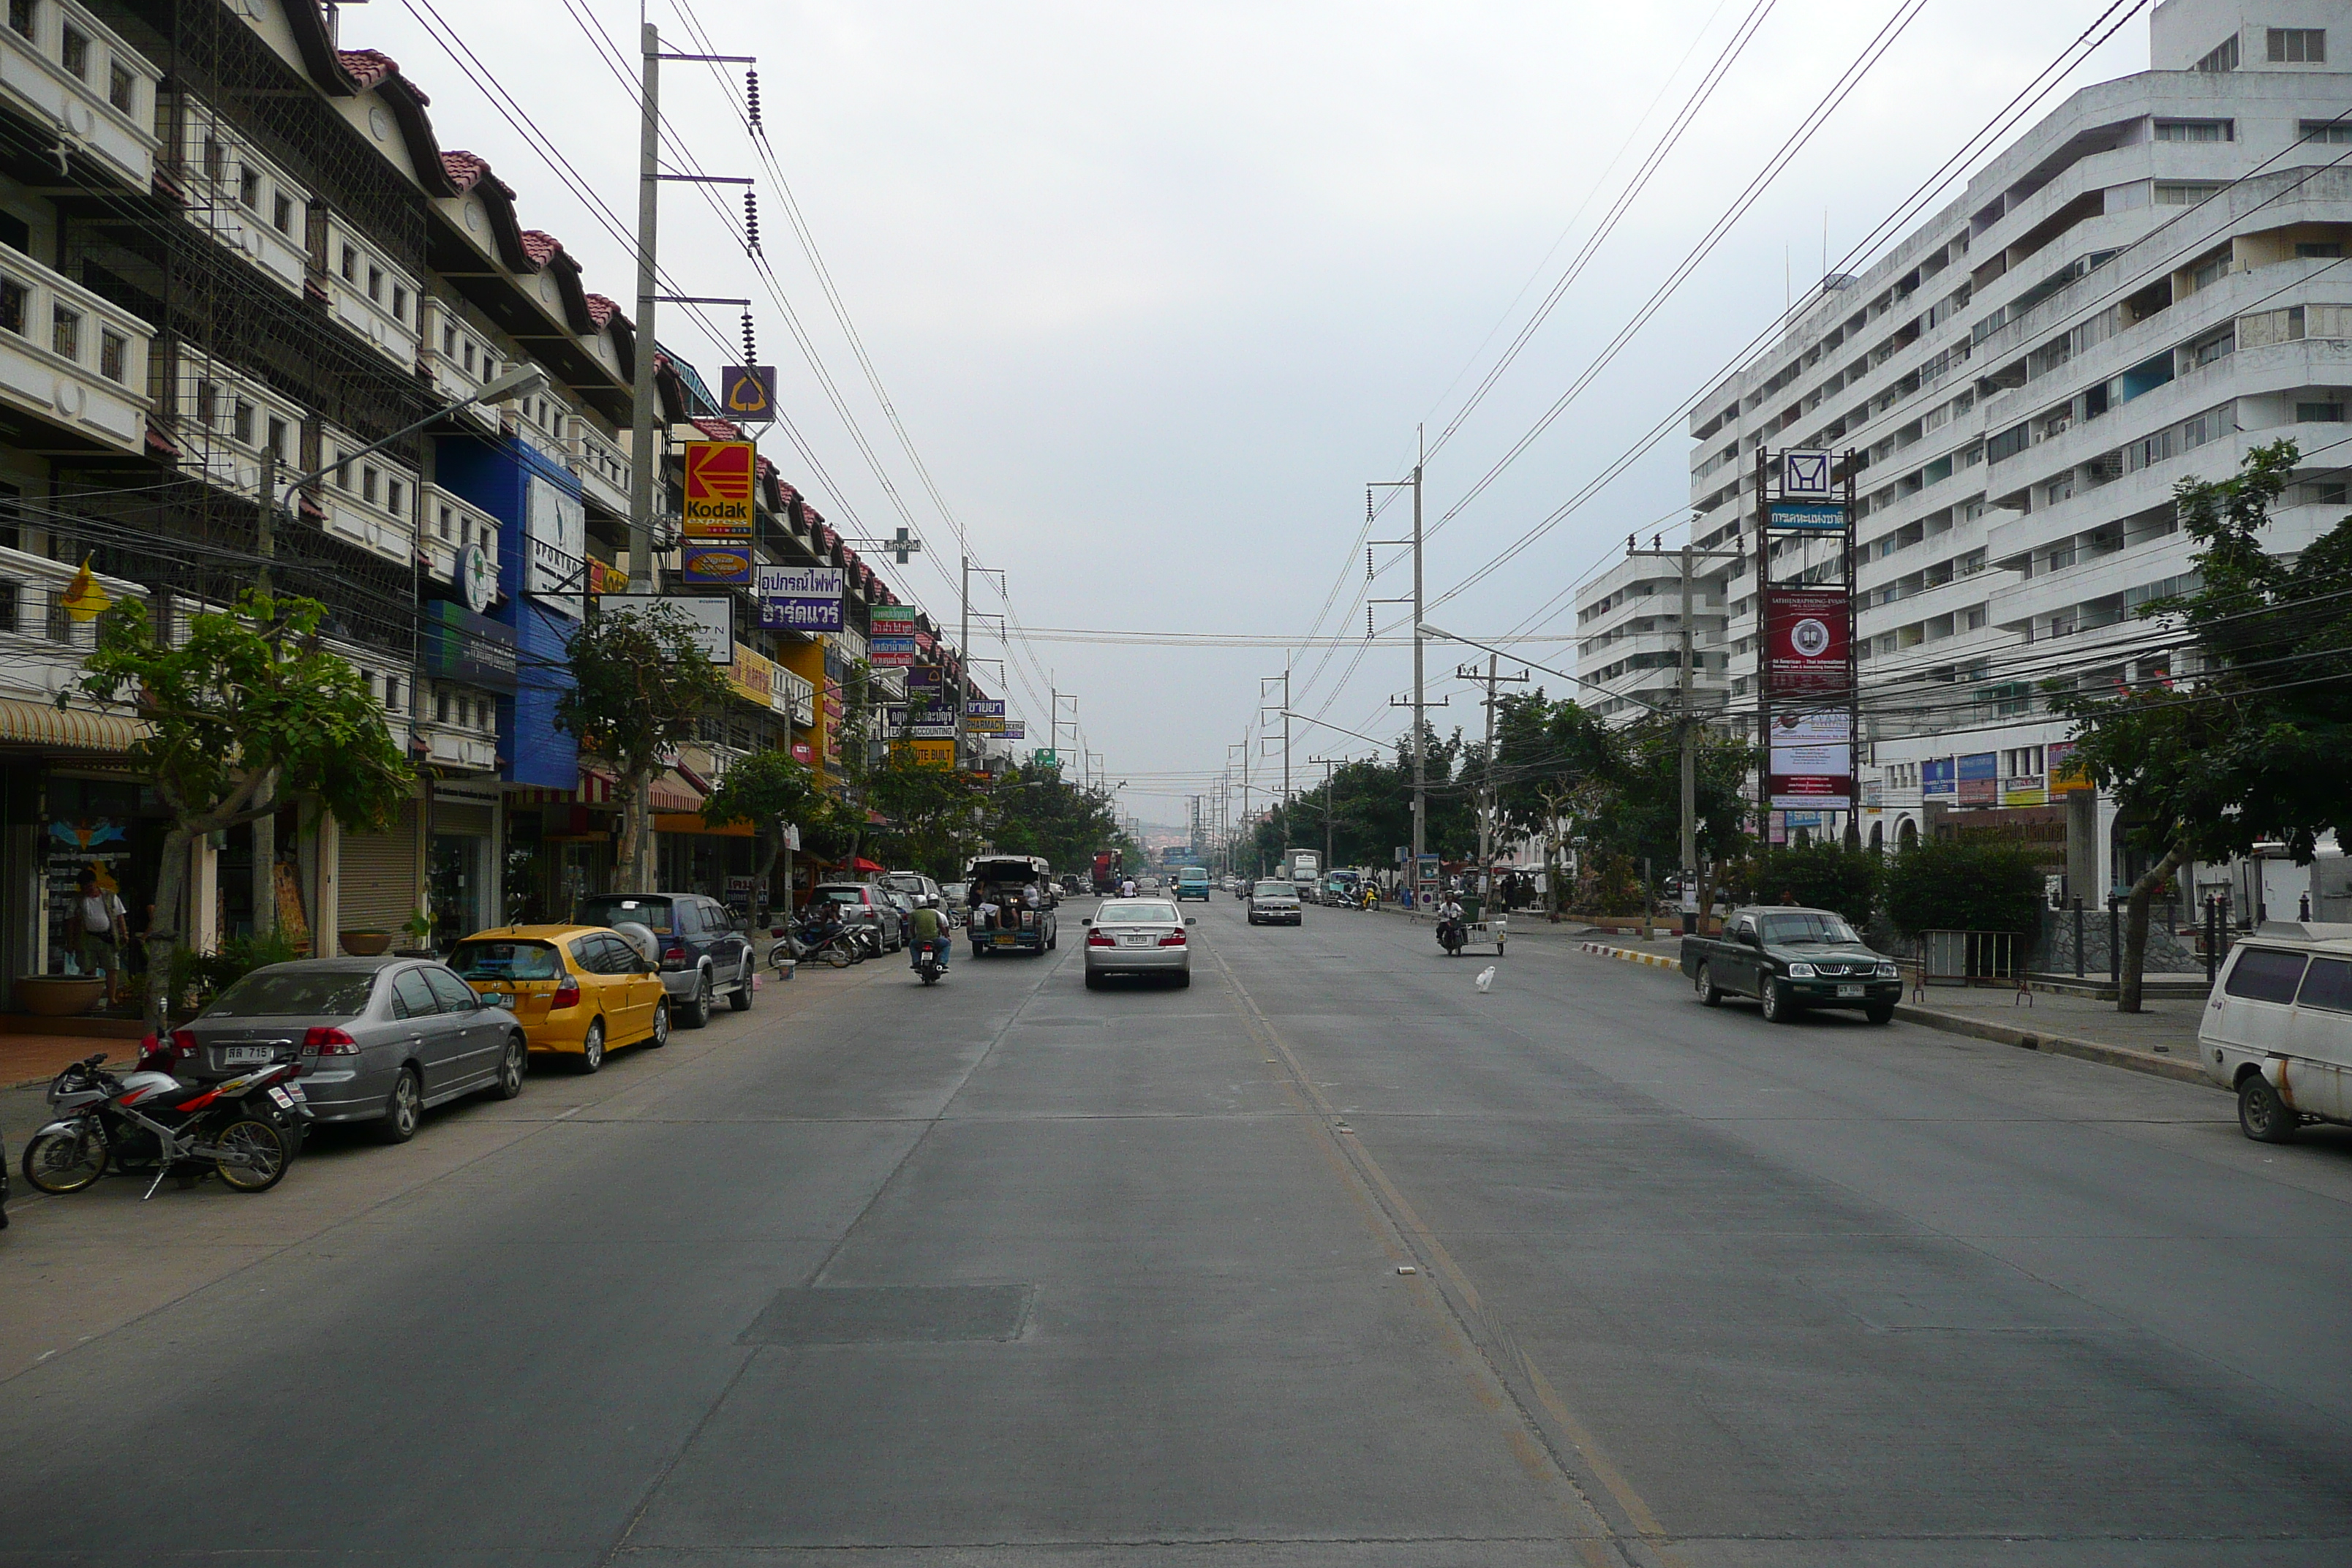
(350, 264)
(2327, 130)
(393, 494)
(65, 332)
(73, 52)
(281, 213)
(57, 624)
(215, 160)
(2194, 130)
(343, 473)
(207, 402)
(119, 91)
(11, 305)
(454, 995)
(2183, 193)
(2324, 495)
(411, 997)
(248, 187)
(399, 304)
(449, 342)
(20, 17)
(469, 356)
(2262, 974)
(2319, 414)
(444, 523)
(392, 693)
(376, 284)
(2223, 58)
(367, 483)
(465, 531)
(2323, 250)
(113, 349)
(278, 438)
(2328, 985)
(10, 597)
(2298, 46)
(441, 707)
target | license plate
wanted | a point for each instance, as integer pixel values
(1135, 942)
(1006, 939)
(1845, 991)
(284, 1099)
(497, 999)
(234, 1056)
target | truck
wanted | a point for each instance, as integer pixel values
(1790, 958)
(1106, 871)
(1305, 869)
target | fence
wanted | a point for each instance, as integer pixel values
(1971, 957)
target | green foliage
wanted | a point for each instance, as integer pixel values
(1038, 811)
(1949, 884)
(933, 816)
(640, 684)
(1824, 876)
(762, 789)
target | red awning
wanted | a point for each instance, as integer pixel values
(863, 864)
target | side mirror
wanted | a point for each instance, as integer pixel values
(1085, 922)
(1191, 920)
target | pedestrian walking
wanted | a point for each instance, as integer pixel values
(99, 925)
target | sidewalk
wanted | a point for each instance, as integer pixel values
(37, 1059)
(2160, 1040)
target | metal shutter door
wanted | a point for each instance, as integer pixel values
(376, 876)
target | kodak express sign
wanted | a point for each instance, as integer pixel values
(719, 478)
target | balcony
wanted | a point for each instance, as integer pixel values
(602, 469)
(447, 526)
(800, 697)
(455, 358)
(368, 501)
(450, 746)
(366, 293)
(241, 198)
(69, 358)
(42, 647)
(73, 77)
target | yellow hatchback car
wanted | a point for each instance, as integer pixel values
(578, 991)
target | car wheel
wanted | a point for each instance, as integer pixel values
(1709, 994)
(1094, 980)
(697, 1012)
(513, 1067)
(2263, 1115)
(1880, 1012)
(591, 1048)
(402, 1109)
(740, 998)
(1183, 979)
(661, 1037)
(1778, 1008)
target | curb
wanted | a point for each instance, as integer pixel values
(2171, 1068)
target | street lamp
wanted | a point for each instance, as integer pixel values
(520, 382)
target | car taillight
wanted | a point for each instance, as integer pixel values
(1100, 939)
(326, 1040)
(567, 994)
(155, 1056)
(184, 1045)
(1174, 939)
(675, 955)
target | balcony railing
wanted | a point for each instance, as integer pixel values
(65, 71)
(68, 357)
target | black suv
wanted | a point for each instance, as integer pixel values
(703, 957)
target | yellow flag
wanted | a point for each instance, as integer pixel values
(84, 599)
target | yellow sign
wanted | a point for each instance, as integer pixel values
(934, 753)
(983, 724)
(753, 676)
(719, 487)
(604, 579)
(84, 599)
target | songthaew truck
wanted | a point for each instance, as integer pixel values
(1107, 873)
(1305, 868)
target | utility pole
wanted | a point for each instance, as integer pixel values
(1491, 679)
(642, 460)
(1687, 715)
(1421, 703)
(1329, 764)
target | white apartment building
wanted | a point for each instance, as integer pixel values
(2144, 286)
(1628, 638)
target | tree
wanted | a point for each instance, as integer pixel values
(766, 789)
(640, 686)
(2244, 739)
(245, 710)
(1824, 876)
(932, 815)
(1038, 811)
(1950, 884)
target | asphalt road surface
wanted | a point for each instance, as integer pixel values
(1328, 1260)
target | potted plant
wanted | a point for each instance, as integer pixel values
(368, 943)
(419, 930)
(59, 995)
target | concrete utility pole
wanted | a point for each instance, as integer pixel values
(1486, 791)
(1329, 763)
(1421, 703)
(964, 661)
(1687, 712)
(642, 461)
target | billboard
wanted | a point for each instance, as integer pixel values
(1939, 779)
(985, 707)
(1811, 516)
(748, 393)
(1980, 778)
(802, 598)
(718, 478)
(893, 620)
(456, 644)
(2066, 775)
(555, 534)
(890, 652)
(1808, 635)
(719, 564)
(712, 619)
(1812, 760)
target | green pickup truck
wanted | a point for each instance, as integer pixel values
(1791, 959)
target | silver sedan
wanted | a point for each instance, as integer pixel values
(1138, 936)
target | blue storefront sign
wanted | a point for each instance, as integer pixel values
(1938, 778)
(1814, 517)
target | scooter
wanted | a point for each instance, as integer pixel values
(1452, 937)
(825, 938)
(931, 959)
(244, 1131)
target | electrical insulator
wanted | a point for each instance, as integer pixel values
(751, 355)
(752, 96)
(1368, 562)
(1367, 622)
(750, 220)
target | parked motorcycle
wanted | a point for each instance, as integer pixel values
(246, 1131)
(823, 939)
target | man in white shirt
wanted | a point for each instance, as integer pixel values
(97, 922)
(1127, 887)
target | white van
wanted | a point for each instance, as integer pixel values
(2278, 1030)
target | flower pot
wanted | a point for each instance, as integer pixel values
(59, 995)
(363, 943)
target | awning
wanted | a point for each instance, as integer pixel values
(863, 864)
(66, 729)
(692, 822)
(670, 792)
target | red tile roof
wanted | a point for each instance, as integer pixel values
(719, 429)
(601, 310)
(371, 67)
(465, 170)
(539, 245)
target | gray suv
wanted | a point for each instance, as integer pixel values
(703, 956)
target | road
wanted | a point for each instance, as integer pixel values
(1328, 1259)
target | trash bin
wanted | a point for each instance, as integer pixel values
(1471, 908)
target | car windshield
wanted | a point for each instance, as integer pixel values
(842, 895)
(1272, 890)
(903, 882)
(296, 993)
(1139, 912)
(504, 960)
(612, 908)
(1811, 926)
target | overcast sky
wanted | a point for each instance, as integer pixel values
(1155, 289)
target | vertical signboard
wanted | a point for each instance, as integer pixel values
(719, 487)
(1812, 759)
(801, 598)
(1939, 780)
(1807, 706)
(1980, 778)
(555, 534)
(1808, 635)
